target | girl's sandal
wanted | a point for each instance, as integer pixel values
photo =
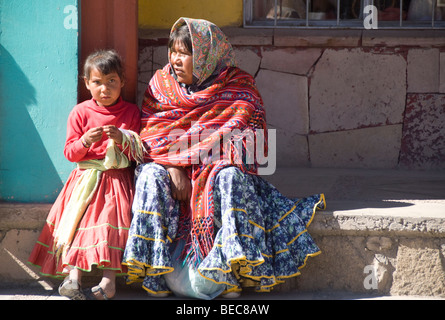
(91, 294)
(71, 289)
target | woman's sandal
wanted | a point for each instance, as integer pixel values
(71, 289)
(231, 295)
(91, 294)
(158, 295)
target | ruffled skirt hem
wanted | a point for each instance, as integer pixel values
(100, 237)
(232, 263)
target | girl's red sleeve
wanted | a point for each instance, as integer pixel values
(74, 150)
(135, 125)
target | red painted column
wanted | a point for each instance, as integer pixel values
(110, 24)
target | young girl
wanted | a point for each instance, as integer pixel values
(88, 223)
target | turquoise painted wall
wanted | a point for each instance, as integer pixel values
(38, 88)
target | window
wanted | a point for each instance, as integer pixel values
(395, 14)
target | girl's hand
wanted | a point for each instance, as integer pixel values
(180, 183)
(113, 133)
(93, 135)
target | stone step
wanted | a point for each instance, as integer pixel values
(360, 184)
(383, 232)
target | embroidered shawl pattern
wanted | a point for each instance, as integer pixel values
(189, 130)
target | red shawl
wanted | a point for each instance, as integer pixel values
(179, 128)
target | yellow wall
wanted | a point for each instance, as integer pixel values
(161, 14)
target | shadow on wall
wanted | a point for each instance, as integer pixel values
(27, 173)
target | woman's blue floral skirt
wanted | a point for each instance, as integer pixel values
(260, 240)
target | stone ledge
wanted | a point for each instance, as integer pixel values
(421, 218)
(361, 185)
(317, 38)
(397, 38)
(371, 219)
(25, 216)
(289, 37)
(395, 200)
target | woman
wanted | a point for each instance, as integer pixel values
(203, 222)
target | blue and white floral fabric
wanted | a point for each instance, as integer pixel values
(260, 236)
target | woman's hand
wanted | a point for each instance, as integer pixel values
(93, 135)
(180, 183)
(114, 133)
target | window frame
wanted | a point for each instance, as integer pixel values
(248, 20)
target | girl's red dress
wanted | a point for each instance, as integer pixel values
(102, 233)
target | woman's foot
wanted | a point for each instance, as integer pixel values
(71, 289)
(231, 295)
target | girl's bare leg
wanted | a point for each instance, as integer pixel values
(76, 276)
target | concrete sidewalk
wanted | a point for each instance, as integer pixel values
(46, 291)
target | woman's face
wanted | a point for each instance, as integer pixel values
(182, 62)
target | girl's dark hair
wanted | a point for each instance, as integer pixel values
(181, 34)
(106, 61)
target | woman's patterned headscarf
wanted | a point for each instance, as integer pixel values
(212, 52)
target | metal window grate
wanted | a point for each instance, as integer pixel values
(392, 14)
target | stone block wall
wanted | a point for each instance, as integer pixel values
(349, 100)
